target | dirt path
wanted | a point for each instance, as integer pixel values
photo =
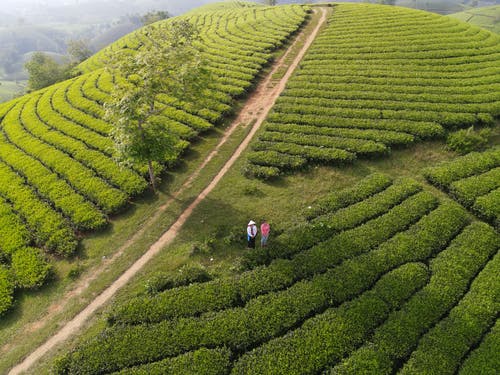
(255, 110)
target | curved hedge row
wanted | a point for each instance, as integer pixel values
(444, 346)
(380, 74)
(200, 362)
(452, 271)
(336, 331)
(484, 359)
(473, 180)
(266, 316)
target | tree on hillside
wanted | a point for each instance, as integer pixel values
(169, 64)
(154, 16)
(44, 71)
(270, 2)
(78, 50)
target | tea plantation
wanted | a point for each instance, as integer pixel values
(380, 272)
(58, 177)
(394, 269)
(376, 78)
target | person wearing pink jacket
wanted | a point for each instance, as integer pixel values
(265, 229)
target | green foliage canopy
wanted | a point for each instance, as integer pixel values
(43, 71)
(169, 63)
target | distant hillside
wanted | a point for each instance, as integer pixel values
(486, 17)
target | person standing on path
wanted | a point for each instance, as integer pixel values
(265, 228)
(251, 234)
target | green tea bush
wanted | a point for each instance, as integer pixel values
(467, 140)
(29, 268)
(484, 359)
(184, 276)
(200, 362)
(363, 189)
(443, 347)
(451, 273)
(224, 293)
(336, 331)
(6, 289)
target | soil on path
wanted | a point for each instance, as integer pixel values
(255, 111)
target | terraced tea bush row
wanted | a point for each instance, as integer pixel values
(266, 316)
(443, 347)
(335, 332)
(47, 227)
(419, 129)
(484, 359)
(473, 180)
(365, 188)
(81, 178)
(385, 136)
(381, 68)
(224, 293)
(200, 362)
(452, 271)
(82, 213)
(416, 244)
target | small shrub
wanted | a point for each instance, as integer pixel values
(186, 275)
(251, 190)
(467, 140)
(75, 271)
(203, 247)
(29, 267)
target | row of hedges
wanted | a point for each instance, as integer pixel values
(224, 293)
(473, 180)
(81, 178)
(444, 346)
(419, 129)
(366, 75)
(83, 214)
(102, 165)
(200, 362)
(469, 165)
(45, 110)
(485, 358)
(326, 103)
(304, 236)
(419, 243)
(335, 332)
(387, 137)
(368, 186)
(452, 272)
(47, 227)
(266, 316)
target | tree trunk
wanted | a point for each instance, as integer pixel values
(152, 178)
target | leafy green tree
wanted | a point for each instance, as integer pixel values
(270, 2)
(154, 16)
(169, 64)
(78, 50)
(44, 71)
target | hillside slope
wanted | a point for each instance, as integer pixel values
(58, 177)
(486, 17)
(380, 77)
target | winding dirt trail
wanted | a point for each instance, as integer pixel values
(255, 110)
